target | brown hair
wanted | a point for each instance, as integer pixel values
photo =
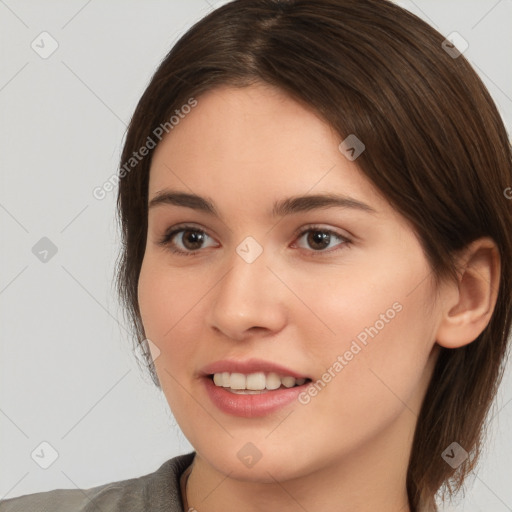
(436, 148)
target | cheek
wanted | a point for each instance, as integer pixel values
(382, 343)
(167, 301)
(377, 303)
(165, 298)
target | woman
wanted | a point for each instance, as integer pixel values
(316, 262)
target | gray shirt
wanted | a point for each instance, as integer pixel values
(154, 492)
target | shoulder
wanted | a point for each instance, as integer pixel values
(158, 491)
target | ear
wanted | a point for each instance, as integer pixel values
(469, 303)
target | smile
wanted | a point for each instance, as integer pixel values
(255, 383)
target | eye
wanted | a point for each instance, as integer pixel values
(189, 241)
(319, 239)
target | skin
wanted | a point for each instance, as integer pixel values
(348, 448)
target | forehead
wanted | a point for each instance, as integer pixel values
(252, 140)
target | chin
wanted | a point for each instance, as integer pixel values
(243, 461)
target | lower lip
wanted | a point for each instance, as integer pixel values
(251, 406)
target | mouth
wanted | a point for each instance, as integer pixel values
(255, 383)
(237, 400)
(251, 388)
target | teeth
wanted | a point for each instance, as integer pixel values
(237, 381)
(258, 381)
(273, 381)
(255, 381)
(288, 382)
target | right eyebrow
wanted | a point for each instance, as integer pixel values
(183, 199)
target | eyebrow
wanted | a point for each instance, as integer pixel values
(281, 208)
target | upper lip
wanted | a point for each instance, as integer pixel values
(249, 366)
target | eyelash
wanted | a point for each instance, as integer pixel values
(166, 240)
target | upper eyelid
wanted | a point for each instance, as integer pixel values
(183, 227)
(299, 232)
(296, 232)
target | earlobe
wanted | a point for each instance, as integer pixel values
(469, 303)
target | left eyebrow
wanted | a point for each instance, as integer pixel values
(313, 202)
(281, 208)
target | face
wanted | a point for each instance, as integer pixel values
(263, 289)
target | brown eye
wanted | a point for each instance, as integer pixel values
(318, 239)
(192, 239)
(185, 240)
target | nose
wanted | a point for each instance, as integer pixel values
(249, 299)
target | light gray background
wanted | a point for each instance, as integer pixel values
(68, 376)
